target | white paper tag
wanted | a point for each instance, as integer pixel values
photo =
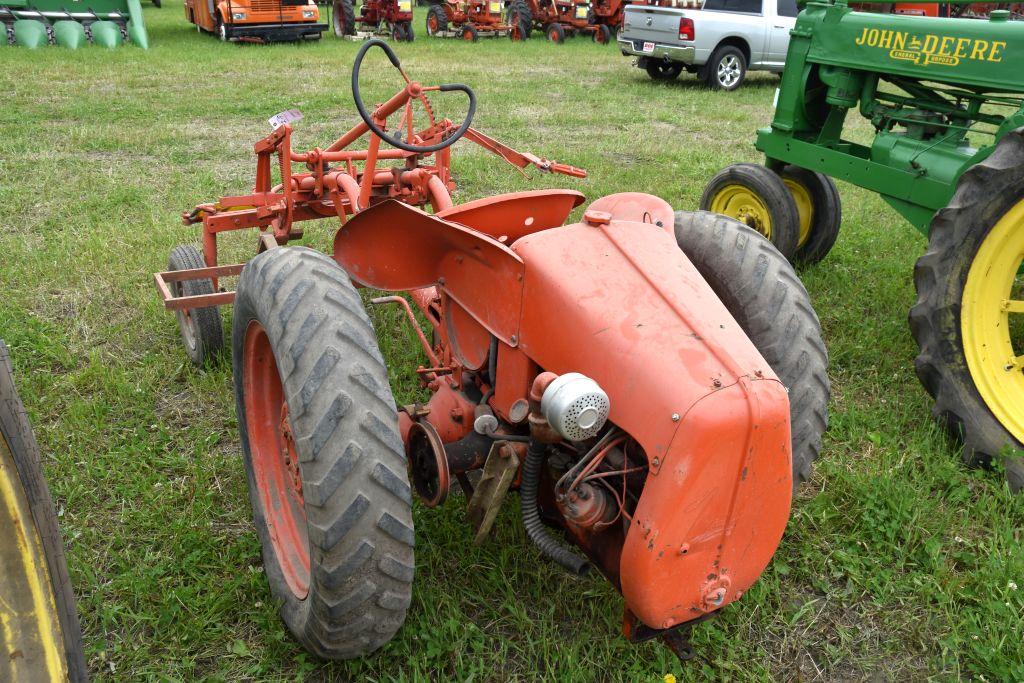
(775, 101)
(278, 120)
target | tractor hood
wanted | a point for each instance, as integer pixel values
(618, 301)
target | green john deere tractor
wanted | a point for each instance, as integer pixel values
(73, 23)
(945, 99)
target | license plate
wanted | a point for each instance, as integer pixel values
(404, 5)
(582, 11)
(648, 47)
(495, 8)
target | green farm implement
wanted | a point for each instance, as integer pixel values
(945, 99)
(73, 23)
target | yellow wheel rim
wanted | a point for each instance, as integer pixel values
(741, 203)
(992, 320)
(804, 207)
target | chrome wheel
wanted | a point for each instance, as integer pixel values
(729, 71)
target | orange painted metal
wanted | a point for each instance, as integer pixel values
(685, 497)
(263, 18)
(275, 463)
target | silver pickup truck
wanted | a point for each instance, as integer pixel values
(719, 42)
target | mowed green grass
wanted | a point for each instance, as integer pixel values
(898, 564)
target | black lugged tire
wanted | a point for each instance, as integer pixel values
(344, 18)
(352, 467)
(660, 70)
(984, 193)
(36, 552)
(772, 192)
(437, 13)
(765, 296)
(202, 333)
(519, 11)
(826, 216)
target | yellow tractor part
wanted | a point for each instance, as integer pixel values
(804, 208)
(996, 368)
(743, 204)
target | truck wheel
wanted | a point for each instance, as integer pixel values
(520, 18)
(437, 20)
(469, 33)
(344, 16)
(756, 197)
(324, 461)
(201, 330)
(726, 68)
(555, 33)
(663, 71)
(820, 211)
(762, 291)
(603, 35)
(967, 320)
(42, 637)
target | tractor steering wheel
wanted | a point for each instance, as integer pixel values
(374, 128)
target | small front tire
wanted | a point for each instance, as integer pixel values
(202, 332)
(757, 197)
(820, 212)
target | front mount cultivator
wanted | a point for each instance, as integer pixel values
(602, 368)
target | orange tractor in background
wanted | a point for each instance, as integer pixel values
(471, 19)
(376, 17)
(559, 19)
(652, 383)
(257, 21)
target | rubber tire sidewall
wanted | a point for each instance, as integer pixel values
(209, 329)
(828, 213)
(442, 20)
(984, 193)
(763, 293)
(274, 289)
(346, 8)
(774, 194)
(16, 433)
(656, 75)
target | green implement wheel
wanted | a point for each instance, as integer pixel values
(969, 317)
(757, 197)
(41, 640)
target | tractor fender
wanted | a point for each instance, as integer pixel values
(621, 303)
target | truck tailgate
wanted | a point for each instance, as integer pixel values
(649, 23)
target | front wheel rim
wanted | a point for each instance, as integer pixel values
(992, 294)
(274, 460)
(729, 71)
(741, 203)
(804, 208)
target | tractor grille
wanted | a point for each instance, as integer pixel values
(264, 5)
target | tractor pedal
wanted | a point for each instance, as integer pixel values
(498, 473)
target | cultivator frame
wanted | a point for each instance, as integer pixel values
(341, 190)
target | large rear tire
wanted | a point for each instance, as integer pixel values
(968, 287)
(325, 464)
(520, 18)
(437, 20)
(762, 291)
(202, 332)
(42, 638)
(344, 18)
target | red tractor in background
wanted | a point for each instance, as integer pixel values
(653, 383)
(470, 19)
(383, 17)
(558, 19)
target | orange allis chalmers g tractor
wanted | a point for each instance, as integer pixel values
(629, 389)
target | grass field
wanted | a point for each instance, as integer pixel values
(897, 565)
